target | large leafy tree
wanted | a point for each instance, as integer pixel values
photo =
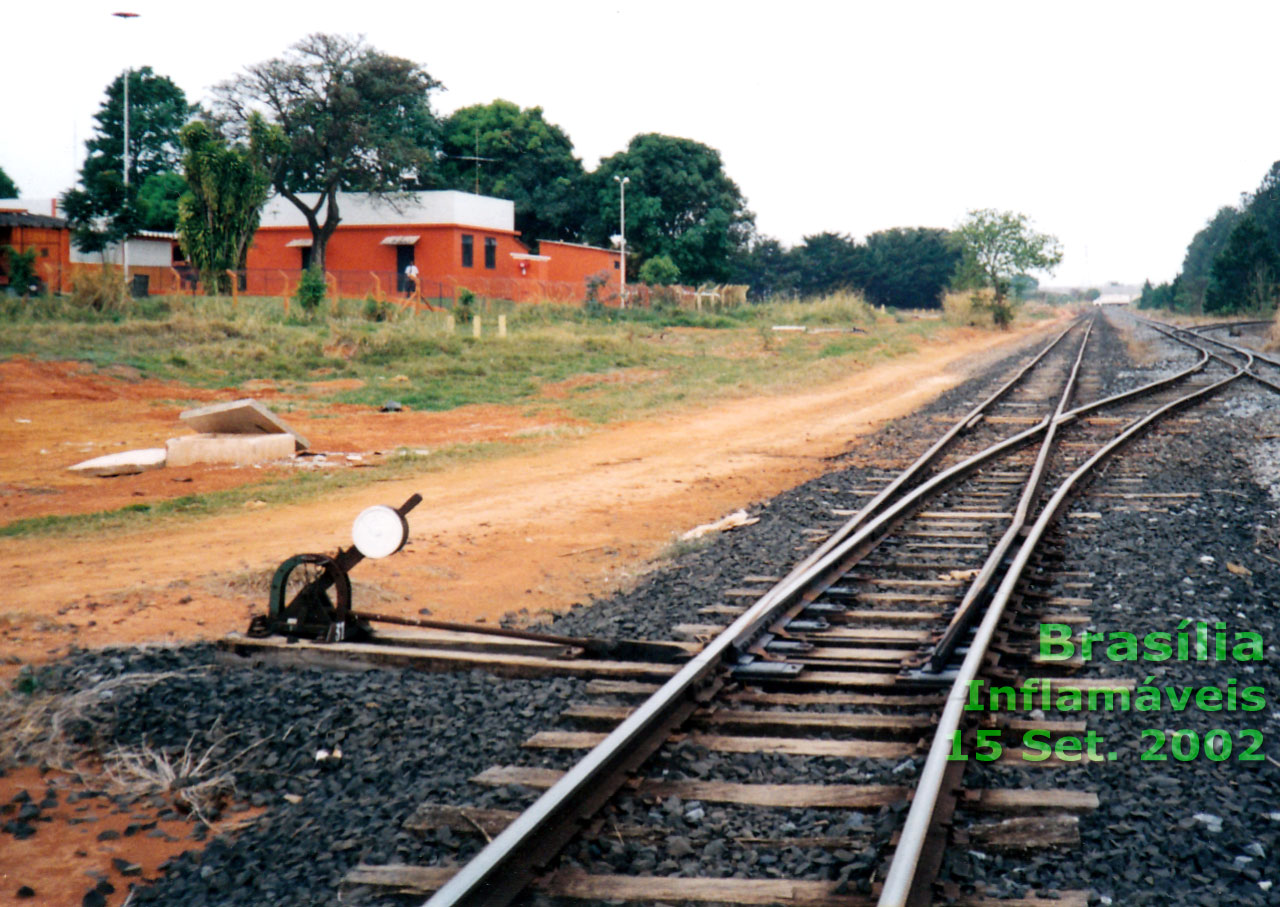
(8, 188)
(503, 150)
(228, 185)
(354, 119)
(680, 203)
(100, 209)
(906, 267)
(998, 245)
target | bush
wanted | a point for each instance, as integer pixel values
(463, 307)
(594, 284)
(659, 270)
(311, 289)
(378, 310)
(23, 279)
(101, 289)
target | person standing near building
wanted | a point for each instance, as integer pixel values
(411, 278)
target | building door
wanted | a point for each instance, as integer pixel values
(404, 258)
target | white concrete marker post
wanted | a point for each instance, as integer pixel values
(448, 324)
(502, 325)
(475, 326)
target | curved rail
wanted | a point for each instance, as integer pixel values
(503, 867)
(902, 886)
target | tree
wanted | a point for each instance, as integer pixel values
(1198, 262)
(680, 203)
(660, 271)
(826, 262)
(997, 245)
(1246, 273)
(906, 267)
(100, 210)
(228, 185)
(8, 188)
(354, 120)
(524, 158)
(767, 267)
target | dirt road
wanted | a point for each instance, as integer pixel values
(534, 531)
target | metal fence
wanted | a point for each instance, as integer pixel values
(391, 285)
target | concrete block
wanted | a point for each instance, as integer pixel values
(124, 463)
(232, 450)
(239, 417)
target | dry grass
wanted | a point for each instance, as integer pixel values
(40, 727)
(48, 729)
(968, 308)
(193, 780)
(1273, 335)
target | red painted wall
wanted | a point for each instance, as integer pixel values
(53, 253)
(355, 251)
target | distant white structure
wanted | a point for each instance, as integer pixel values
(1114, 299)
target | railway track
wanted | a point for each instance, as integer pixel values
(849, 678)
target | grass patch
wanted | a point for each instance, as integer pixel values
(640, 360)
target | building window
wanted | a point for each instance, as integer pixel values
(615, 265)
(490, 252)
(468, 254)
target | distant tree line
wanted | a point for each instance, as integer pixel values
(334, 115)
(1233, 263)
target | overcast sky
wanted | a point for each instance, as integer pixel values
(1120, 127)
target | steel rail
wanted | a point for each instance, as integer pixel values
(900, 881)
(980, 587)
(926, 459)
(1240, 350)
(504, 866)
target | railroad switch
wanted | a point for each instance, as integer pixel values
(300, 605)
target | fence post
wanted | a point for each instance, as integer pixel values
(333, 298)
(448, 324)
(235, 290)
(377, 286)
(475, 325)
(502, 325)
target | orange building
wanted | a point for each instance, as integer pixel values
(48, 236)
(453, 239)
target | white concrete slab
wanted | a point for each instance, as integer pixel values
(124, 463)
(239, 417)
(229, 450)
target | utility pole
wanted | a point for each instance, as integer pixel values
(622, 233)
(124, 242)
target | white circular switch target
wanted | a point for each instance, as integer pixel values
(379, 531)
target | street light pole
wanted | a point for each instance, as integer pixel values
(622, 232)
(124, 242)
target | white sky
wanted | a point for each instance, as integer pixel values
(1119, 126)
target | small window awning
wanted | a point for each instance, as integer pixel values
(400, 241)
(298, 244)
(524, 256)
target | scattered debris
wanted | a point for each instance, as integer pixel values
(1239, 570)
(230, 450)
(125, 463)
(240, 417)
(724, 524)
